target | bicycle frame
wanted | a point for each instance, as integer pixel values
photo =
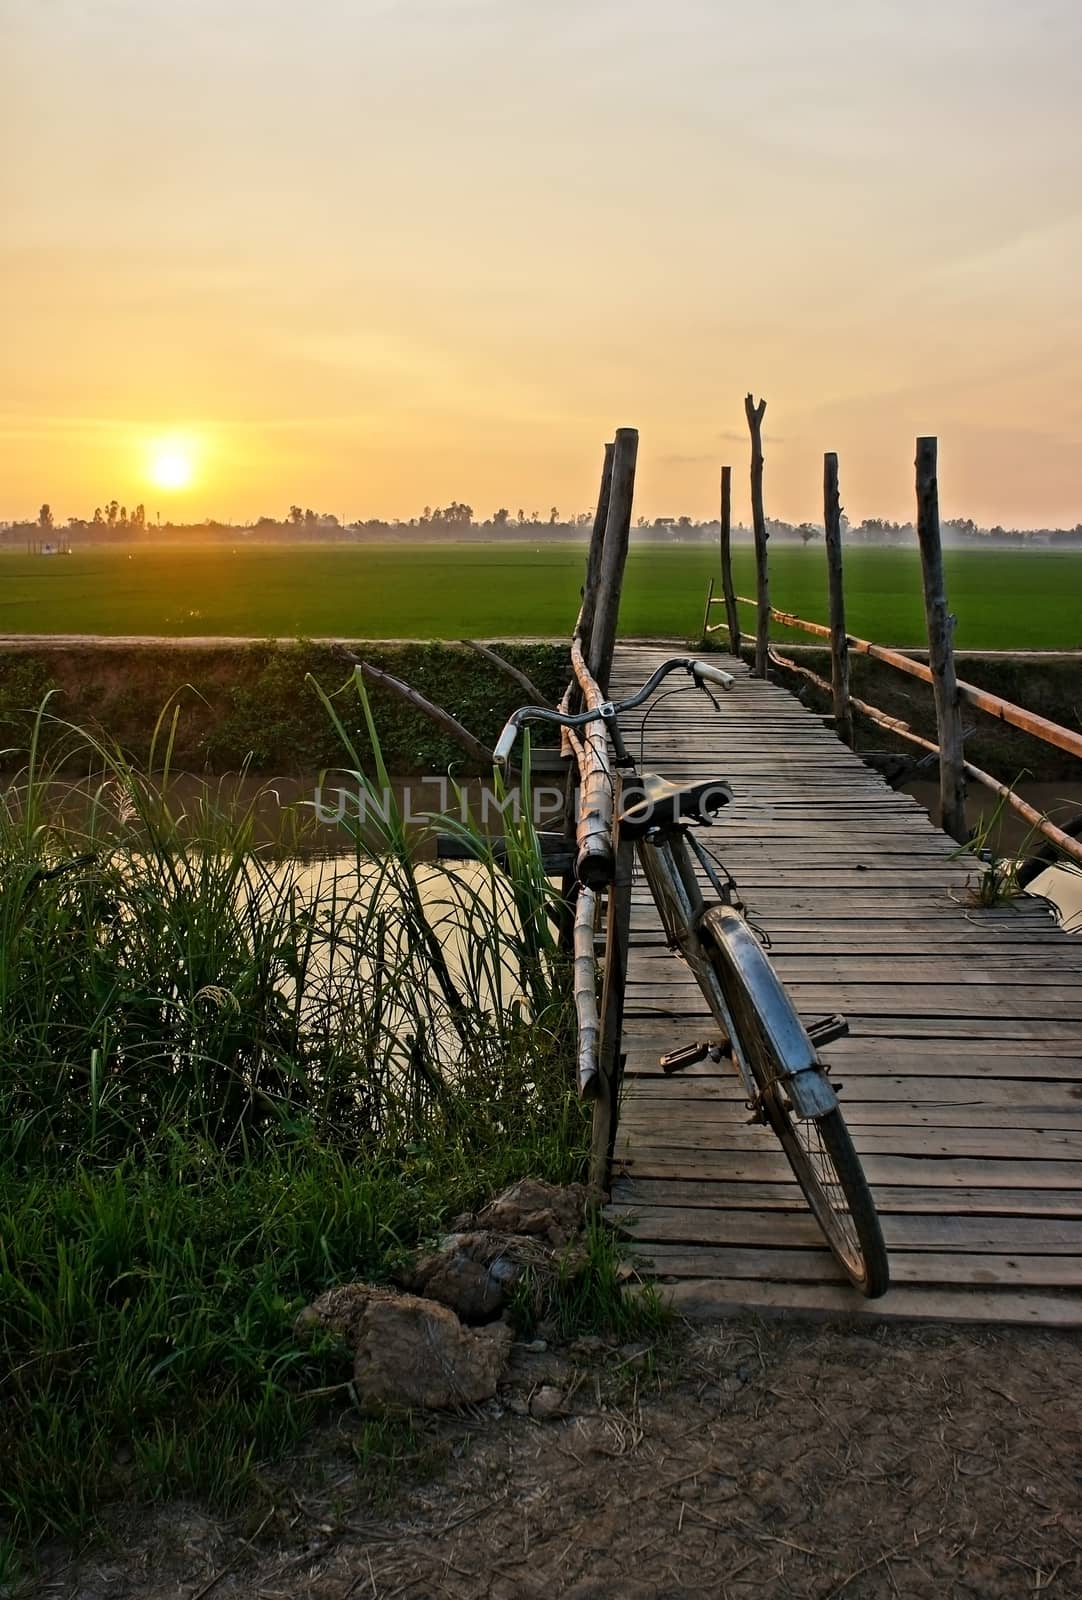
(668, 869)
(684, 913)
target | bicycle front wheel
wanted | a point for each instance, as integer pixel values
(819, 1149)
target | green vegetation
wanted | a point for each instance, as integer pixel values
(229, 1083)
(1004, 599)
(256, 705)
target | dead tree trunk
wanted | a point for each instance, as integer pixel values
(839, 645)
(613, 556)
(952, 782)
(731, 614)
(585, 624)
(754, 415)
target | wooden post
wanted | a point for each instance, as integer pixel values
(952, 782)
(585, 624)
(706, 613)
(754, 415)
(613, 555)
(731, 613)
(609, 1055)
(839, 645)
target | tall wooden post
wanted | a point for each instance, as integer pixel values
(584, 626)
(839, 644)
(613, 556)
(754, 415)
(731, 614)
(952, 782)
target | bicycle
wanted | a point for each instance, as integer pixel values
(788, 1089)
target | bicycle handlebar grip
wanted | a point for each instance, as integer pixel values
(504, 743)
(700, 669)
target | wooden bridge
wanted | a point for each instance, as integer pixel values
(961, 1078)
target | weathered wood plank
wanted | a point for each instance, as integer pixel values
(1049, 1236)
(962, 1074)
(882, 1168)
(639, 1193)
(923, 1268)
(928, 1094)
(948, 1144)
(715, 1298)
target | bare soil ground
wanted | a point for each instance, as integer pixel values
(747, 1460)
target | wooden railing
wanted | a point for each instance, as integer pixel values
(602, 873)
(950, 692)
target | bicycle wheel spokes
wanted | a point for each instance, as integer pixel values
(819, 1150)
(821, 1166)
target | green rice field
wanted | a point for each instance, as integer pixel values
(1004, 599)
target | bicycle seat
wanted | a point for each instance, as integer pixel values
(656, 803)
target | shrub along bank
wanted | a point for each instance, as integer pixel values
(227, 1086)
(254, 703)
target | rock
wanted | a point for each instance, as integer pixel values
(542, 1210)
(546, 1403)
(410, 1352)
(588, 1346)
(473, 1273)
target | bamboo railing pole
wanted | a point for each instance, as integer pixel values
(948, 710)
(981, 699)
(526, 684)
(613, 555)
(594, 864)
(443, 719)
(754, 415)
(609, 1058)
(839, 646)
(731, 613)
(585, 986)
(1037, 820)
(585, 624)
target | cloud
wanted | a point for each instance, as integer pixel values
(742, 436)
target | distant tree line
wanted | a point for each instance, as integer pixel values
(113, 522)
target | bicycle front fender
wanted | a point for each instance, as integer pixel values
(807, 1086)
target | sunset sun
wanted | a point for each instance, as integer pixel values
(171, 464)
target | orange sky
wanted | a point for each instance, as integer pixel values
(376, 254)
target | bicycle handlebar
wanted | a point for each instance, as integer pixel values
(700, 672)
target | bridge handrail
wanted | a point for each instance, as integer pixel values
(994, 705)
(983, 699)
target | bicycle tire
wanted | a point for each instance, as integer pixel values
(819, 1150)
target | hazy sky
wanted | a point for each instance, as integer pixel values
(375, 254)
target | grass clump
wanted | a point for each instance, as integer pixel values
(231, 1080)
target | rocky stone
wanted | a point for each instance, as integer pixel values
(546, 1403)
(542, 1210)
(410, 1352)
(589, 1346)
(473, 1273)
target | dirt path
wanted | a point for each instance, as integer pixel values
(748, 1461)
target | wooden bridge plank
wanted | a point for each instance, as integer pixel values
(1047, 1236)
(785, 1195)
(882, 1168)
(714, 1298)
(649, 1131)
(962, 1072)
(818, 1266)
